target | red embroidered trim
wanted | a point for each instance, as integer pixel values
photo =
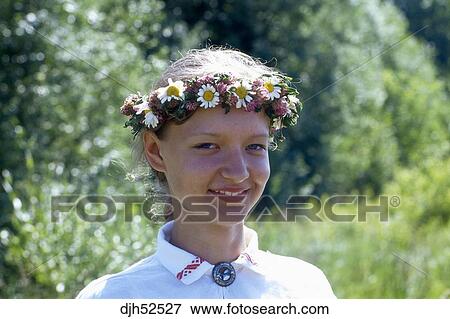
(249, 258)
(190, 267)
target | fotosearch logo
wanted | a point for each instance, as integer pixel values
(209, 208)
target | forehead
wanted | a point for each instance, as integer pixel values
(237, 122)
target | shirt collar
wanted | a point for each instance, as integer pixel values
(187, 267)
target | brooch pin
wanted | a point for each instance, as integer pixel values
(224, 274)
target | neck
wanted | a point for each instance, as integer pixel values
(215, 243)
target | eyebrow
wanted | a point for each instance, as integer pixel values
(217, 135)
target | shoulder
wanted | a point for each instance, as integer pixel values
(94, 289)
(303, 278)
(128, 283)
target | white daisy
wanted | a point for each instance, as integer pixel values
(208, 96)
(243, 93)
(150, 119)
(175, 90)
(271, 85)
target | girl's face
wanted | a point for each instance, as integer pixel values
(213, 151)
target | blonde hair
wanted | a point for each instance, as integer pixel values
(197, 62)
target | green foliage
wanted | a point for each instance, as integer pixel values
(406, 257)
(59, 119)
(434, 14)
(368, 260)
(375, 120)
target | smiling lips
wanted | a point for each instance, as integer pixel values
(228, 192)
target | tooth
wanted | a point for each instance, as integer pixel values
(227, 192)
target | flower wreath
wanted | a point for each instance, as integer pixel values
(179, 100)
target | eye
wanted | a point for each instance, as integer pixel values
(205, 146)
(258, 147)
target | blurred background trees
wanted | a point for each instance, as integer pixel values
(375, 121)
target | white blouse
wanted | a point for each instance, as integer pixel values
(175, 273)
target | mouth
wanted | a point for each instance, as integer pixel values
(223, 194)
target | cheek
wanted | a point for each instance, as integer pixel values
(190, 175)
(260, 171)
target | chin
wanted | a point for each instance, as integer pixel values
(231, 217)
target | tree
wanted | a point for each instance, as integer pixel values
(66, 69)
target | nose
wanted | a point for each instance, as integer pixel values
(235, 167)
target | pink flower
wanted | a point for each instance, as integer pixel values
(127, 110)
(281, 107)
(264, 93)
(261, 92)
(252, 105)
(128, 104)
(257, 84)
(222, 88)
(160, 114)
(205, 79)
(161, 117)
(233, 100)
(153, 99)
(192, 88)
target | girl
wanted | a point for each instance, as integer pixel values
(205, 132)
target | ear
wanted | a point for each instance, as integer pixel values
(152, 151)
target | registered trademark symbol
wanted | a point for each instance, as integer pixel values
(395, 201)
